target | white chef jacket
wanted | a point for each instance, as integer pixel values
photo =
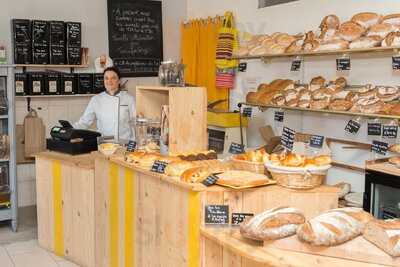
(107, 109)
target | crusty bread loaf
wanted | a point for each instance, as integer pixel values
(198, 174)
(350, 31)
(333, 45)
(393, 19)
(385, 235)
(177, 168)
(147, 160)
(366, 42)
(294, 47)
(334, 227)
(392, 39)
(340, 105)
(273, 224)
(330, 22)
(388, 93)
(366, 19)
(252, 97)
(317, 82)
(381, 30)
(239, 178)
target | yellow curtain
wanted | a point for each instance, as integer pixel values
(198, 48)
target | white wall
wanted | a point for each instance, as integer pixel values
(297, 17)
(93, 15)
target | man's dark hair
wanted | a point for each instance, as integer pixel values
(114, 69)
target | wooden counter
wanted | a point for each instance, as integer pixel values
(231, 250)
(116, 214)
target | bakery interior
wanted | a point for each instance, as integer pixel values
(199, 133)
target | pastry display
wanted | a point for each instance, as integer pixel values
(334, 227)
(253, 156)
(384, 234)
(272, 224)
(296, 160)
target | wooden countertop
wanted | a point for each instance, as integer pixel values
(255, 251)
(383, 166)
(85, 161)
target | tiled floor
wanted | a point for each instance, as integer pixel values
(29, 254)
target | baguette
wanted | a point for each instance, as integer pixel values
(385, 235)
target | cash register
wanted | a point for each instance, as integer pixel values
(72, 141)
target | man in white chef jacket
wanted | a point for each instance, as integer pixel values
(113, 109)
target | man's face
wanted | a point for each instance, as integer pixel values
(111, 82)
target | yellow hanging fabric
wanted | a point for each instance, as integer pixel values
(198, 50)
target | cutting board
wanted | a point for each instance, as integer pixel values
(34, 133)
(357, 249)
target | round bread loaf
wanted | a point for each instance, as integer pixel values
(350, 31)
(366, 19)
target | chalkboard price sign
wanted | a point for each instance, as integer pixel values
(135, 36)
(389, 131)
(352, 127)
(279, 116)
(296, 65)
(238, 218)
(159, 166)
(374, 128)
(236, 148)
(316, 141)
(247, 111)
(287, 138)
(379, 147)
(396, 62)
(217, 214)
(343, 64)
(130, 147)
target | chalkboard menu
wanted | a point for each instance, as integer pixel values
(135, 36)
(22, 37)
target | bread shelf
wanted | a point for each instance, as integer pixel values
(324, 111)
(51, 96)
(325, 53)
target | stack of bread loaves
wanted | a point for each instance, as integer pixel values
(363, 30)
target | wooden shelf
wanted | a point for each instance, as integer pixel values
(325, 111)
(51, 96)
(325, 53)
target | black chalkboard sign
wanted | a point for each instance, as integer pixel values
(217, 214)
(279, 115)
(396, 62)
(247, 111)
(210, 180)
(131, 146)
(374, 128)
(238, 218)
(389, 131)
(296, 65)
(159, 166)
(135, 38)
(316, 141)
(287, 138)
(236, 148)
(379, 147)
(343, 64)
(352, 127)
(242, 67)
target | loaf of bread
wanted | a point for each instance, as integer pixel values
(134, 157)
(393, 19)
(333, 45)
(350, 31)
(366, 19)
(366, 42)
(317, 83)
(385, 235)
(340, 105)
(198, 174)
(177, 168)
(258, 51)
(295, 46)
(388, 93)
(392, 39)
(381, 30)
(329, 35)
(239, 178)
(334, 227)
(330, 22)
(147, 160)
(272, 224)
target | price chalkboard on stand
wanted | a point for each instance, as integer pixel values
(296, 65)
(343, 64)
(238, 218)
(379, 147)
(389, 131)
(130, 147)
(247, 111)
(159, 166)
(352, 127)
(236, 148)
(242, 67)
(135, 38)
(316, 141)
(217, 214)
(374, 128)
(279, 116)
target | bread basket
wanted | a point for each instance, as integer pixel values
(245, 165)
(298, 177)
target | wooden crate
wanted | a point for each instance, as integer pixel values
(65, 206)
(188, 114)
(148, 219)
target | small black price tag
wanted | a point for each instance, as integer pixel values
(379, 147)
(352, 127)
(247, 111)
(159, 166)
(374, 128)
(130, 147)
(238, 218)
(242, 67)
(210, 180)
(296, 65)
(396, 62)
(316, 141)
(279, 115)
(389, 131)
(343, 64)
(236, 148)
(287, 138)
(217, 214)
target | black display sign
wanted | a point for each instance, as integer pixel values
(389, 131)
(74, 33)
(131, 146)
(296, 65)
(217, 214)
(40, 33)
(236, 148)
(396, 62)
(135, 36)
(279, 116)
(238, 218)
(85, 83)
(242, 67)
(343, 64)
(379, 147)
(98, 83)
(247, 111)
(57, 54)
(352, 127)
(374, 128)
(57, 33)
(210, 180)
(22, 41)
(52, 86)
(287, 138)
(74, 55)
(159, 166)
(316, 141)
(41, 54)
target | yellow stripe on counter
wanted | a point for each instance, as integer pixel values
(58, 209)
(129, 217)
(194, 229)
(113, 196)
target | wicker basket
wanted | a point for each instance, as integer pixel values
(244, 165)
(298, 178)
